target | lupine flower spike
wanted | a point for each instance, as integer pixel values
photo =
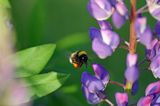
(105, 42)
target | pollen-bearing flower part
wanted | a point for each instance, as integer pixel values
(152, 95)
(154, 8)
(105, 40)
(93, 86)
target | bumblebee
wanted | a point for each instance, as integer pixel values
(78, 58)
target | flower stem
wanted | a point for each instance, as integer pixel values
(132, 46)
(117, 83)
(109, 102)
(143, 9)
(123, 47)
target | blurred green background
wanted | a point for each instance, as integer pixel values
(66, 23)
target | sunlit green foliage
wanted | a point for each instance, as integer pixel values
(29, 63)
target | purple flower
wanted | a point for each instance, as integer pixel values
(152, 95)
(143, 32)
(140, 25)
(153, 50)
(103, 9)
(155, 66)
(153, 55)
(120, 14)
(93, 86)
(118, 20)
(104, 41)
(121, 99)
(154, 8)
(157, 29)
(100, 9)
(131, 73)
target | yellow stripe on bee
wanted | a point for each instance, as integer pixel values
(81, 53)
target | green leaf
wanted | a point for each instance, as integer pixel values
(31, 61)
(43, 84)
(4, 3)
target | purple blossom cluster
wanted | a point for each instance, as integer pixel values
(94, 86)
(105, 41)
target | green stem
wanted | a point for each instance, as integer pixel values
(143, 9)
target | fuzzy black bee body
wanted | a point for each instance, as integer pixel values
(78, 58)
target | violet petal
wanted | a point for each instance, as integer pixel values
(146, 37)
(157, 28)
(121, 99)
(140, 25)
(134, 88)
(156, 100)
(105, 25)
(101, 73)
(122, 9)
(113, 2)
(131, 74)
(131, 59)
(101, 49)
(94, 33)
(153, 88)
(118, 20)
(152, 51)
(100, 9)
(92, 98)
(110, 38)
(92, 83)
(155, 66)
(154, 8)
(145, 101)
